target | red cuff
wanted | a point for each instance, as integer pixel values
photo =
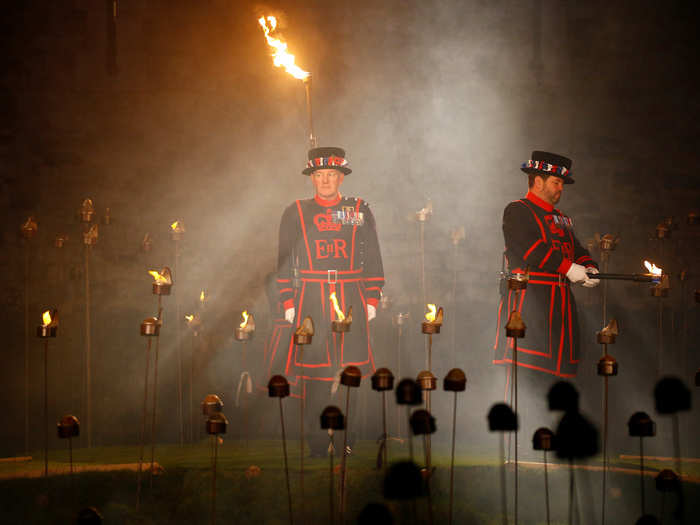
(373, 301)
(289, 303)
(564, 266)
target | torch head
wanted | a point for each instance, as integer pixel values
(211, 405)
(502, 418)
(382, 380)
(332, 418)
(543, 439)
(278, 386)
(351, 376)
(216, 424)
(422, 422)
(455, 381)
(68, 427)
(641, 425)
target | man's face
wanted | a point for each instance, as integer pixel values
(552, 188)
(326, 182)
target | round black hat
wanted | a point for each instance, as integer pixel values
(545, 163)
(327, 158)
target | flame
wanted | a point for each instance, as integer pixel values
(338, 312)
(174, 225)
(245, 319)
(202, 297)
(160, 278)
(189, 318)
(46, 317)
(281, 57)
(430, 316)
(653, 269)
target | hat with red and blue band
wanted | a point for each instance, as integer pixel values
(325, 159)
(549, 164)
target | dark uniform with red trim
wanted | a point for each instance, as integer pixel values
(540, 238)
(332, 247)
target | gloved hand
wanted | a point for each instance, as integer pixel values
(591, 283)
(577, 273)
(289, 315)
(371, 312)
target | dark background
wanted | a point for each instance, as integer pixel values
(174, 110)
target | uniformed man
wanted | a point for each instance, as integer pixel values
(541, 240)
(327, 244)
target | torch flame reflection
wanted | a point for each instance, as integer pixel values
(653, 269)
(430, 316)
(46, 317)
(338, 312)
(245, 319)
(281, 57)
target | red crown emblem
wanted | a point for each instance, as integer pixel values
(324, 222)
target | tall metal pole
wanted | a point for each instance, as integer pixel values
(46, 407)
(178, 342)
(143, 424)
(313, 142)
(26, 349)
(155, 395)
(88, 348)
(286, 466)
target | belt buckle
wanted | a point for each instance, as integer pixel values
(334, 273)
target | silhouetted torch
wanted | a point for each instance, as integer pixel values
(502, 419)
(515, 328)
(68, 428)
(28, 230)
(671, 396)
(303, 335)
(45, 331)
(244, 333)
(332, 419)
(278, 387)
(422, 216)
(150, 327)
(399, 320)
(215, 426)
(282, 58)
(543, 440)
(342, 322)
(423, 424)
(351, 377)
(383, 380)
(177, 234)
(408, 393)
(455, 381)
(90, 237)
(641, 425)
(147, 243)
(431, 325)
(607, 367)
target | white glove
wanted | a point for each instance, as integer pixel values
(577, 273)
(591, 283)
(371, 312)
(289, 315)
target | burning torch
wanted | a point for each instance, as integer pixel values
(244, 332)
(44, 331)
(282, 58)
(177, 233)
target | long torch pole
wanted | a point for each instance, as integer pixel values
(26, 349)
(178, 342)
(312, 138)
(88, 345)
(46, 407)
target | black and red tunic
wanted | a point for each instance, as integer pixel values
(329, 246)
(540, 238)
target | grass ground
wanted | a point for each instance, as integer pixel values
(181, 492)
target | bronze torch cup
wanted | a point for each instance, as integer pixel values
(430, 328)
(150, 327)
(44, 332)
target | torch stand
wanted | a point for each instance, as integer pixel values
(178, 342)
(143, 425)
(155, 397)
(46, 408)
(88, 348)
(343, 471)
(286, 465)
(26, 347)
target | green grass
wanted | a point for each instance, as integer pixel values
(182, 492)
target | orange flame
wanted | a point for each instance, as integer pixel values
(46, 317)
(189, 318)
(245, 319)
(281, 57)
(202, 297)
(653, 269)
(338, 312)
(430, 316)
(160, 278)
(174, 226)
